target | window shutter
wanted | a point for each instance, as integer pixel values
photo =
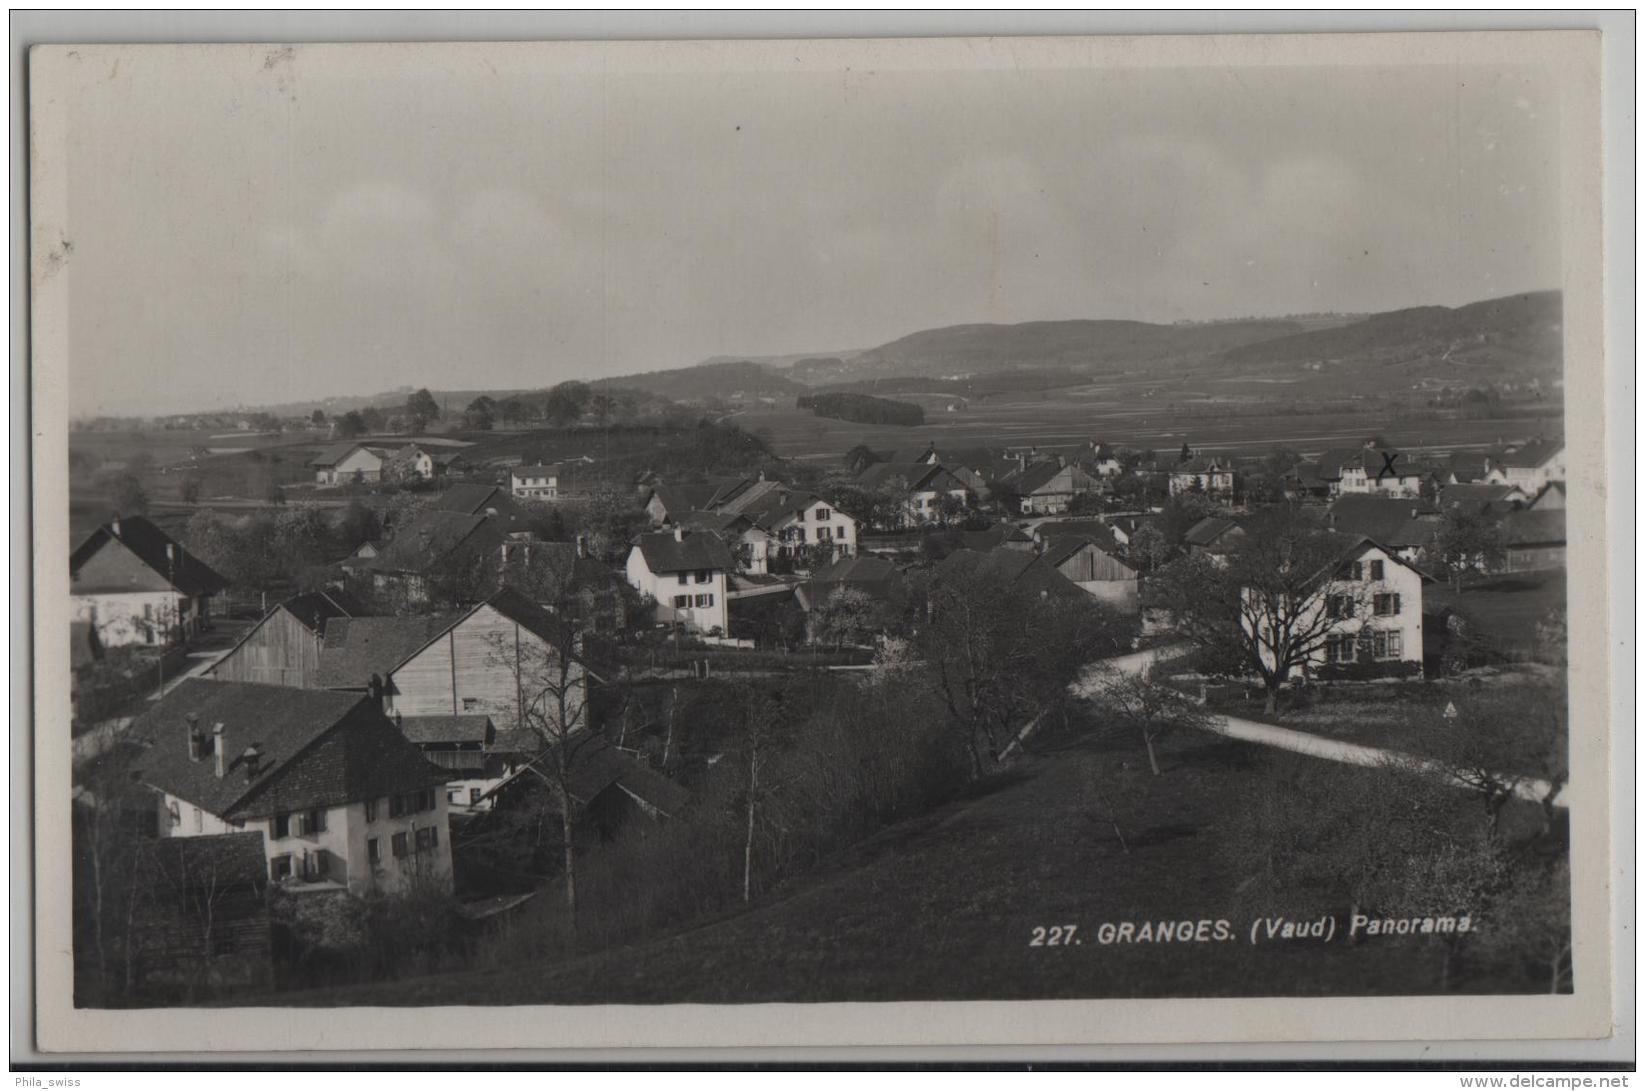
(1396, 604)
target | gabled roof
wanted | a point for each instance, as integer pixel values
(1469, 466)
(1098, 531)
(1203, 466)
(332, 455)
(1058, 548)
(1354, 546)
(921, 477)
(692, 551)
(1016, 568)
(1534, 528)
(186, 572)
(855, 570)
(1531, 455)
(316, 748)
(538, 470)
(676, 500)
(1331, 462)
(1390, 522)
(433, 730)
(1480, 496)
(356, 648)
(1034, 478)
(475, 500)
(1208, 530)
(313, 609)
(997, 535)
(429, 538)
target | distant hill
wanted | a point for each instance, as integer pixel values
(1515, 332)
(1083, 345)
(735, 380)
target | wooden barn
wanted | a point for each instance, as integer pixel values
(284, 647)
(1096, 570)
(200, 918)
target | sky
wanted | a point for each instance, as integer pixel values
(257, 226)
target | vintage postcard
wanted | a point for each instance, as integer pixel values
(801, 543)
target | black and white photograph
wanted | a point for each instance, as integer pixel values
(821, 523)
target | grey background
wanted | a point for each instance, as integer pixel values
(31, 28)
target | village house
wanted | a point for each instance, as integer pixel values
(1372, 606)
(1094, 565)
(801, 525)
(494, 659)
(475, 755)
(1007, 535)
(1048, 487)
(1533, 540)
(1214, 477)
(1029, 573)
(686, 574)
(1496, 499)
(1529, 466)
(1381, 473)
(342, 800)
(414, 462)
(348, 463)
(284, 647)
(535, 482)
(609, 789)
(926, 491)
(1214, 535)
(670, 503)
(135, 585)
(1404, 527)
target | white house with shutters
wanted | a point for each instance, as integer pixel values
(535, 482)
(686, 573)
(1372, 602)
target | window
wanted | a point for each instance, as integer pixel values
(454, 795)
(310, 823)
(1376, 571)
(398, 846)
(199, 820)
(1339, 649)
(1395, 645)
(371, 810)
(396, 806)
(682, 602)
(374, 852)
(705, 576)
(825, 534)
(1385, 605)
(824, 515)
(1339, 606)
(173, 816)
(705, 600)
(316, 866)
(1358, 570)
(279, 868)
(684, 579)
(470, 704)
(282, 826)
(427, 838)
(473, 796)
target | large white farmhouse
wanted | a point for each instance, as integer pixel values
(686, 573)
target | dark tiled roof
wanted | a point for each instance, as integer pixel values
(1469, 466)
(1017, 568)
(539, 470)
(679, 499)
(1208, 530)
(314, 608)
(1480, 497)
(1032, 479)
(188, 573)
(318, 748)
(1533, 528)
(429, 538)
(516, 607)
(356, 648)
(474, 499)
(1202, 466)
(1532, 455)
(445, 729)
(997, 535)
(330, 456)
(1389, 522)
(599, 770)
(693, 551)
(880, 472)
(860, 572)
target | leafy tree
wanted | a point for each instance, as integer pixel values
(1185, 454)
(565, 403)
(845, 616)
(512, 409)
(480, 414)
(357, 524)
(128, 495)
(373, 418)
(351, 424)
(601, 407)
(1469, 542)
(1262, 606)
(317, 417)
(421, 408)
(1148, 548)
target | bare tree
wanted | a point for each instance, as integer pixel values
(1147, 710)
(1273, 605)
(1505, 744)
(553, 699)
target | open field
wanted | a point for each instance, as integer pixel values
(944, 907)
(1050, 418)
(1506, 608)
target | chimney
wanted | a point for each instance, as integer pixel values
(582, 546)
(374, 690)
(679, 533)
(217, 756)
(114, 526)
